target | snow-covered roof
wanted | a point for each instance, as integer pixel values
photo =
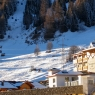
(17, 84)
(38, 85)
(71, 73)
(88, 49)
(6, 85)
(92, 44)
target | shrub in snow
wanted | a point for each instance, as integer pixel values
(9, 36)
(12, 17)
(15, 19)
(32, 69)
(21, 3)
(2, 54)
(36, 51)
(49, 47)
(72, 50)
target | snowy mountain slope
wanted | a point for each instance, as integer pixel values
(20, 57)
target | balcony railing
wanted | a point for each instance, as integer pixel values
(85, 67)
(79, 68)
(80, 60)
(85, 59)
(72, 83)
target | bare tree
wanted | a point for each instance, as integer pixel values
(49, 46)
(72, 50)
(36, 51)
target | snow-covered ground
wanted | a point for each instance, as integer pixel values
(20, 57)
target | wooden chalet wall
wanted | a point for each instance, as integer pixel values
(85, 60)
(48, 91)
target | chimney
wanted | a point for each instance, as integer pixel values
(53, 71)
(2, 83)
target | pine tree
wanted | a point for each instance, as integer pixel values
(49, 24)
(69, 14)
(63, 5)
(43, 8)
(2, 25)
(71, 18)
(63, 26)
(74, 23)
(88, 12)
(32, 11)
(79, 8)
(58, 12)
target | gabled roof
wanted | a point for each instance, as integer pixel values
(38, 85)
(35, 84)
(29, 84)
(6, 85)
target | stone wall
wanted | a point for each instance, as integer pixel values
(47, 91)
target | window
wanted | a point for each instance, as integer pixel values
(90, 81)
(66, 79)
(74, 78)
(53, 80)
(53, 85)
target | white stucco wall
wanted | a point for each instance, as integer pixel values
(91, 64)
(87, 88)
(51, 81)
(60, 81)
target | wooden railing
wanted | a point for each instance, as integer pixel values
(85, 59)
(79, 68)
(85, 67)
(80, 60)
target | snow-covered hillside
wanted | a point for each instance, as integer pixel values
(19, 56)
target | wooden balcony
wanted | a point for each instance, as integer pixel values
(85, 68)
(79, 68)
(85, 59)
(80, 60)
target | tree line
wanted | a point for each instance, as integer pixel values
(7, 8)
(60, 15)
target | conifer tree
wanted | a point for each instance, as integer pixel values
(71, 17)
(58, 12)
(43, 8)
(63, 26)
(49, 24)
(2, 24)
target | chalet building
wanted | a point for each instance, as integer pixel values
(27, 85)
(59, 78)
(84, 61)
(5, 86)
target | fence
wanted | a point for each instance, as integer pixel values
(48, 91)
